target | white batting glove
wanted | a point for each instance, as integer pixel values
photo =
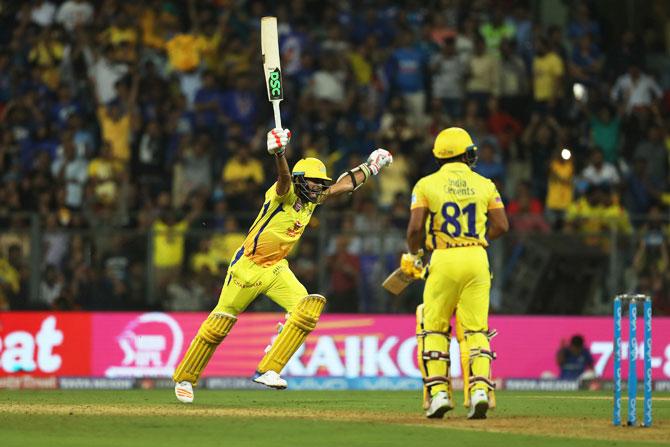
(378, 159)
(277, 140)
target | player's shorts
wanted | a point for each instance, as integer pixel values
(246, 280)
(458, 278)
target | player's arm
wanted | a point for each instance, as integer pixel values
(353, 179)
(416, 229)
(277, 141)
(498, 223)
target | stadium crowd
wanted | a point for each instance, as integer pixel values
(132, 135)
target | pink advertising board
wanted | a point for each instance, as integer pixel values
(151, 344)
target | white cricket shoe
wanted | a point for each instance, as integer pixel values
(479, 404)
(270, 379)
(184, 392)
(439, 405)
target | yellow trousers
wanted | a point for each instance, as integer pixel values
(459, 280)
(246, 280)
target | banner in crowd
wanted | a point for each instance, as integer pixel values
(126, 345)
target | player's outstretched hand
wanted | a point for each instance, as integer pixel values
(412, 264)
(277, 140)
(378, 159)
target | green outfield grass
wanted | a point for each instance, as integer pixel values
(151, 418)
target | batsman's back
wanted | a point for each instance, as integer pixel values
(458, 200)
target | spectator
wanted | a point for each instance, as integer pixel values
(582, 24)
(526, 218)
(496, 31)
(605, 131)
(73, 14)
(51, 288)
(345, 268)
(599, 172)
(207, 104)
(118, 119)
(489, 164)
(224, 245)
(184, 294)
(104, 175)
(574, 359)
(513, 80)
(483, 78)
(653, 150)
(587, 62)
(242, 175)
(642, 191)
(11, 279)
(43, 13)
(540, 138)
(560, 186)
(71, 171)
(407, 73)
(193, 170)
(635, 89)
(548, 72)
(448, 77)
(305, 265)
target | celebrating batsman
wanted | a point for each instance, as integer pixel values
(260, 267)
(456, 203)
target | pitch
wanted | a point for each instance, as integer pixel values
(150, 418)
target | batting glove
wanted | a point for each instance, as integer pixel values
(277, 141)
(412, 265)
(378, 159)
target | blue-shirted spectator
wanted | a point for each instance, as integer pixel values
(207, 103)
(408, 75)
(574, 359)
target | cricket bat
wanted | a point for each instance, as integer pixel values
(272, 65)
(397, 281)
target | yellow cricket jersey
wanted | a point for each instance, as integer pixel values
(458, 200)
(279, 225)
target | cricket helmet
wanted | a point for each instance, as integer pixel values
(454, 141)
(314, 170)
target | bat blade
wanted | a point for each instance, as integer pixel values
(271, 59)
(397, 281)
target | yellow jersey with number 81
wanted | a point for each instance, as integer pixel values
(458, 201)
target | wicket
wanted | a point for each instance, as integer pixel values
(632, 357)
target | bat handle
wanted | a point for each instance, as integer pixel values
(275, 108)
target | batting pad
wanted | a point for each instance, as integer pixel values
(433, 359)
(301, 322)
(211, 333)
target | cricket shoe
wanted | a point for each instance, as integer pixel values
(270, 379)
(479, 404)
(439, 405)
(184, 392)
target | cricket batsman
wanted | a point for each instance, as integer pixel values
(450, 210)
(260, 266)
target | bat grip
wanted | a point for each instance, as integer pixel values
(275, 108)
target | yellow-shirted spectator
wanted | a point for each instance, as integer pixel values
(47, 54)
(115, 127)
(103, 172)
(10, 277)
(185, 51)
(241, 170)
(596, 215)
(224, 246)
(169, 242)
(359, 60)
(548, 69)
(560, 185)
(205, 258)
(394, 181)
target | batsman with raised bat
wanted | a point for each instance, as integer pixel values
(260, 266)
(449, 213)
